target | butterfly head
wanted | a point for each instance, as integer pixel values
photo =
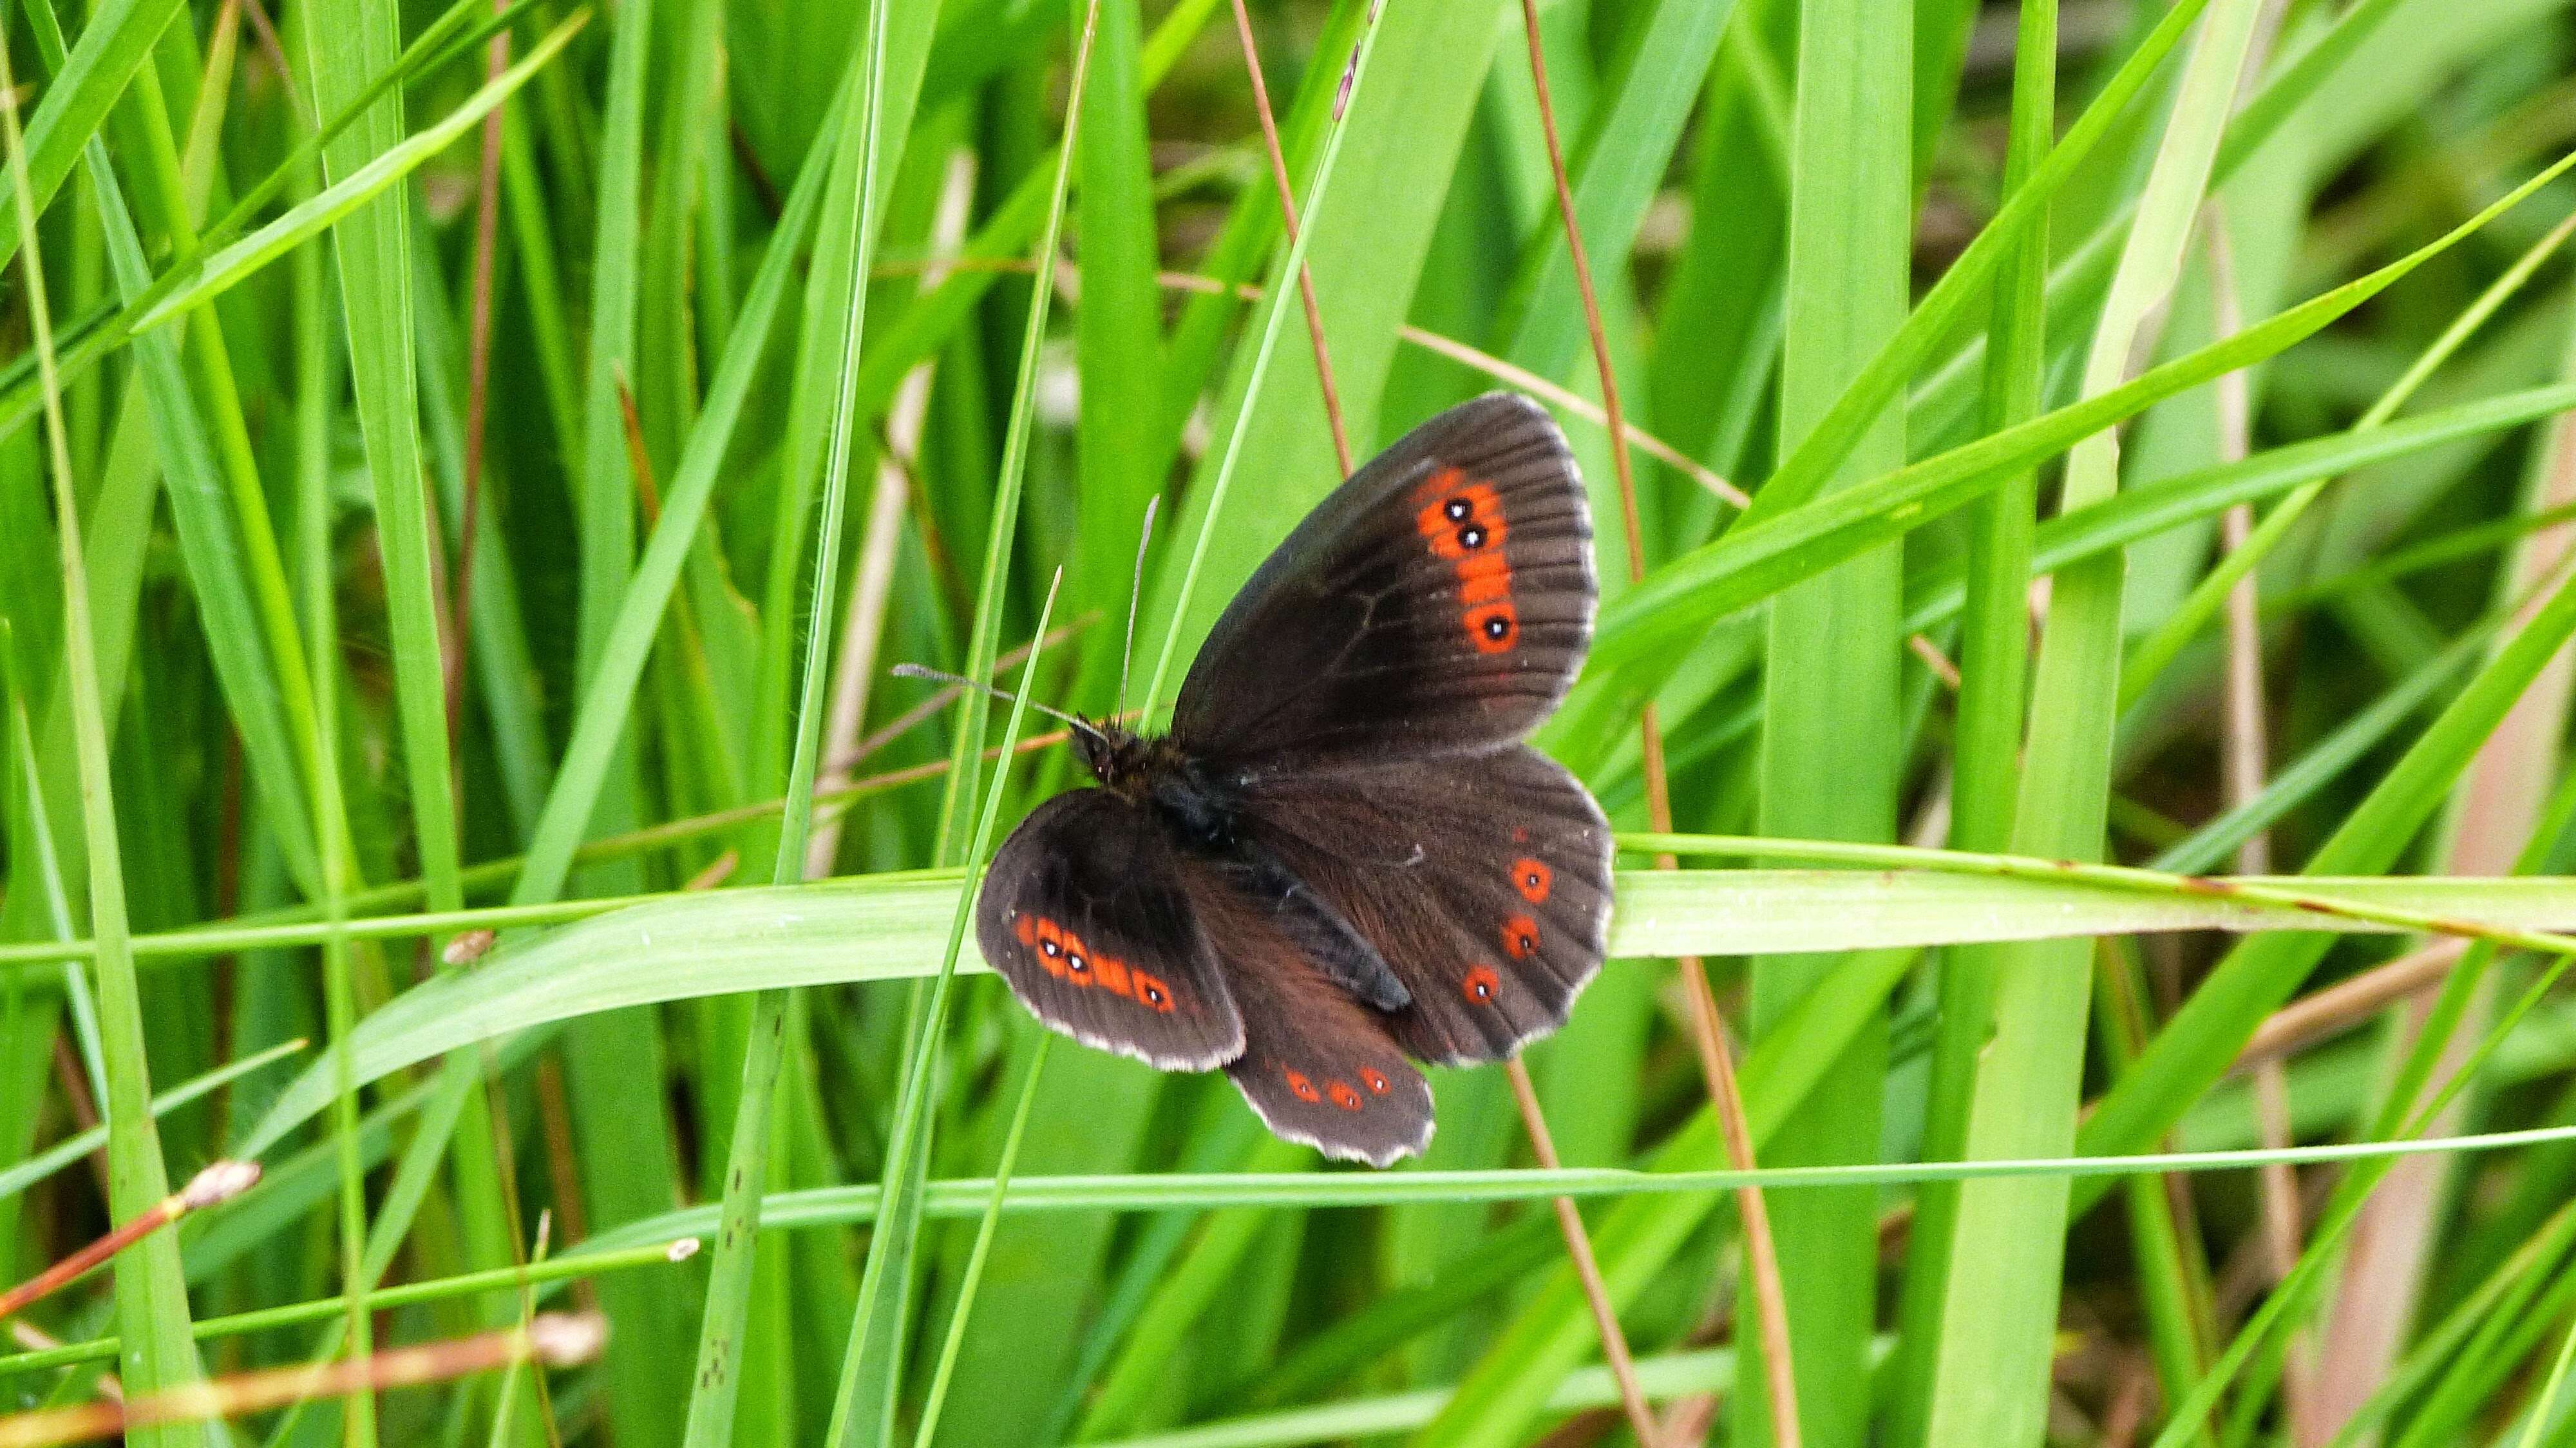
(1117, 756)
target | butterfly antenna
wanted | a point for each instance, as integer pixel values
(1135, 595)
(916, 671)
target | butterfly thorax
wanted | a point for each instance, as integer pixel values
(1158, 774)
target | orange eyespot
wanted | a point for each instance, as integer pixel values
(1343, 1096)
(1304, 1089)
(1520, 936)
(1375, 1079)
(1494, 627)
(1151, 991)
(1532, 879)
(1481, 984)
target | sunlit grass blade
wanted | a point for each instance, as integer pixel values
(849, 159)
(151, 1298)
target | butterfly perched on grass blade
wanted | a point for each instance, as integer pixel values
(1343, 858)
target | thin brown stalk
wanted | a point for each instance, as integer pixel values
(1288, 220)
(2349, 1002)
(1587, 1268)
(556, 1340)
(563, 1173)
(2129, 1403)
(35, 1339)
(478, 379)
(1069, 278)
(648, 495)
(1935, 660)
(1578, 1246)
(2495, 808)
(81, 1101)
(2244, 760)
(840, 764)
(220, 1182)
(717, 871)
(1770, 1299)
(275, 52)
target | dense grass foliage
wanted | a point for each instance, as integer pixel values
(466, 472)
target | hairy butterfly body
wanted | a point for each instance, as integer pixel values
(1343, 856)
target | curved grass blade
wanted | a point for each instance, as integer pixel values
(893, 928)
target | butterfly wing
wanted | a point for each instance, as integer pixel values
(1440, 599)
(1480, 881)
(1317, 1066)
(1086, 913)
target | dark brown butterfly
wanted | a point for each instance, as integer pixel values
(1343, 855)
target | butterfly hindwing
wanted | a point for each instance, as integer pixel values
(1317, 1066)
(1481, 881)
(1086, 913)
(1440, 599)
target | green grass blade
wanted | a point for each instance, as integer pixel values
(857, 148)
(347, 41)
(1829, 759)
(151, 1297)
(87, 84)
(863, 1411)
(1998, 1327)
(1994, 661)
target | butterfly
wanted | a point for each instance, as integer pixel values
(1342, 855)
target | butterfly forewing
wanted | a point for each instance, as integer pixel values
(1086, 913)
(1481, 880)
(1441, 599)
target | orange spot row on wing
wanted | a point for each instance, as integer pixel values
(1339, 1093)
(1061, 953)
(1520, 937)
(1462, 519)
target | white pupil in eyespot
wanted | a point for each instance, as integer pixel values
(1471, 536)
(1052, 948)
(1494, 628)
(1457, 509)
